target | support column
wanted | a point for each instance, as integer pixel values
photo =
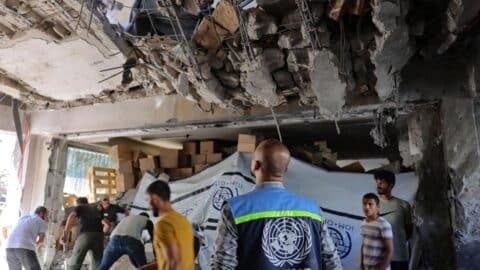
(461, 125)
(54, 196)
(432, 207)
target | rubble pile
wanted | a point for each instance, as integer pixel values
(282, 63)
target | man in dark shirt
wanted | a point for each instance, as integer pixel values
(90, 235)
(110, 211)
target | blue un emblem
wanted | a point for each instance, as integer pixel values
(343, 242)
(222, 194)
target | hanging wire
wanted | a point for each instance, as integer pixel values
(277, 125)
(80, 15)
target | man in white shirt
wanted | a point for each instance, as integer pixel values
(24, 239)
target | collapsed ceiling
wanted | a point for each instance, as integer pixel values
(62, 53)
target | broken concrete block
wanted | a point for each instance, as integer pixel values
(194, 7)
(326, 83)
(300, 58)
(259, 84)
(273, 59)
(226, 17)
(292, 19)
(211, 91)
(231, 80)
(277, 8)
(259, 23)
(209, 35)
(283, 79)
(292, 40)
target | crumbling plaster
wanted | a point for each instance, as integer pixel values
(65, 71)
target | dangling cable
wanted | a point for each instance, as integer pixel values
(276, 124)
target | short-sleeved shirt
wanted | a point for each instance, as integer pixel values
(133, 226)
(111, 212)
(26, 232)
(90, 218)
(374, 233)
(397, 212)
(173, 228)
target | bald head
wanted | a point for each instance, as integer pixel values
(270, 161)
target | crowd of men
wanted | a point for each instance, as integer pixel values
(243, 240)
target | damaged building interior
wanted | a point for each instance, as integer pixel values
(177, 89)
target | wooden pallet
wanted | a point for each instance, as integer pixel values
(101, 181)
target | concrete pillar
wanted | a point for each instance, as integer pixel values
(461, 123)
(432, 207)
(54, 196)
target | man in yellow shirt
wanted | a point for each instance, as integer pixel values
(172, 234)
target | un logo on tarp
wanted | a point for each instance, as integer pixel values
(342, 241)
(286, 240)
(222, 194)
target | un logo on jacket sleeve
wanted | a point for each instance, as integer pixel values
(286, 241)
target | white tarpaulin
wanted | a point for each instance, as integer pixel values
(339, 195)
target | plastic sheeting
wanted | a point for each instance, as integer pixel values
(339, 195)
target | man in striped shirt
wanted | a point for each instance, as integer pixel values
(377, 243)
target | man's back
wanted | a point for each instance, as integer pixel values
(26, 231)
(279, 225)
(132, 226)
(173, 228)
(90, 218)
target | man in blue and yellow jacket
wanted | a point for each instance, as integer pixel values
(271, 228)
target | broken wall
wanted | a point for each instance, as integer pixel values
(461, 119)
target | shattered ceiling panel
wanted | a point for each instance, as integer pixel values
(322, 53)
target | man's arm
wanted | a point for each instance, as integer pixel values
(385, 263)
(149, 228)
(408, 221)
(40, 239)
(68, 226)
(361, 258)
(330, 258)
(225, 250)
(172, 254)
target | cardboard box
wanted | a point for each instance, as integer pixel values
(214, 157)
(200, 167)
(208, 147)
(169, 158)
(190, 148)
(125, 181)
(184, 160)
(125, 166)
(245, 138)
(180, 172)
(138, 155)
(199, 159)
(246, 143)
(149, 163)
(246, 147)
(120, 152)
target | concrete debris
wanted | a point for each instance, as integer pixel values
(229, 79)
(259, 24)
(273, 59)
(259, 84)
(300, 58)
(326, 83)
(225, 16)
(283, 79)
(292, 19)
(292, 40)
(393, 46)
(209, 35)
(194, 7)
